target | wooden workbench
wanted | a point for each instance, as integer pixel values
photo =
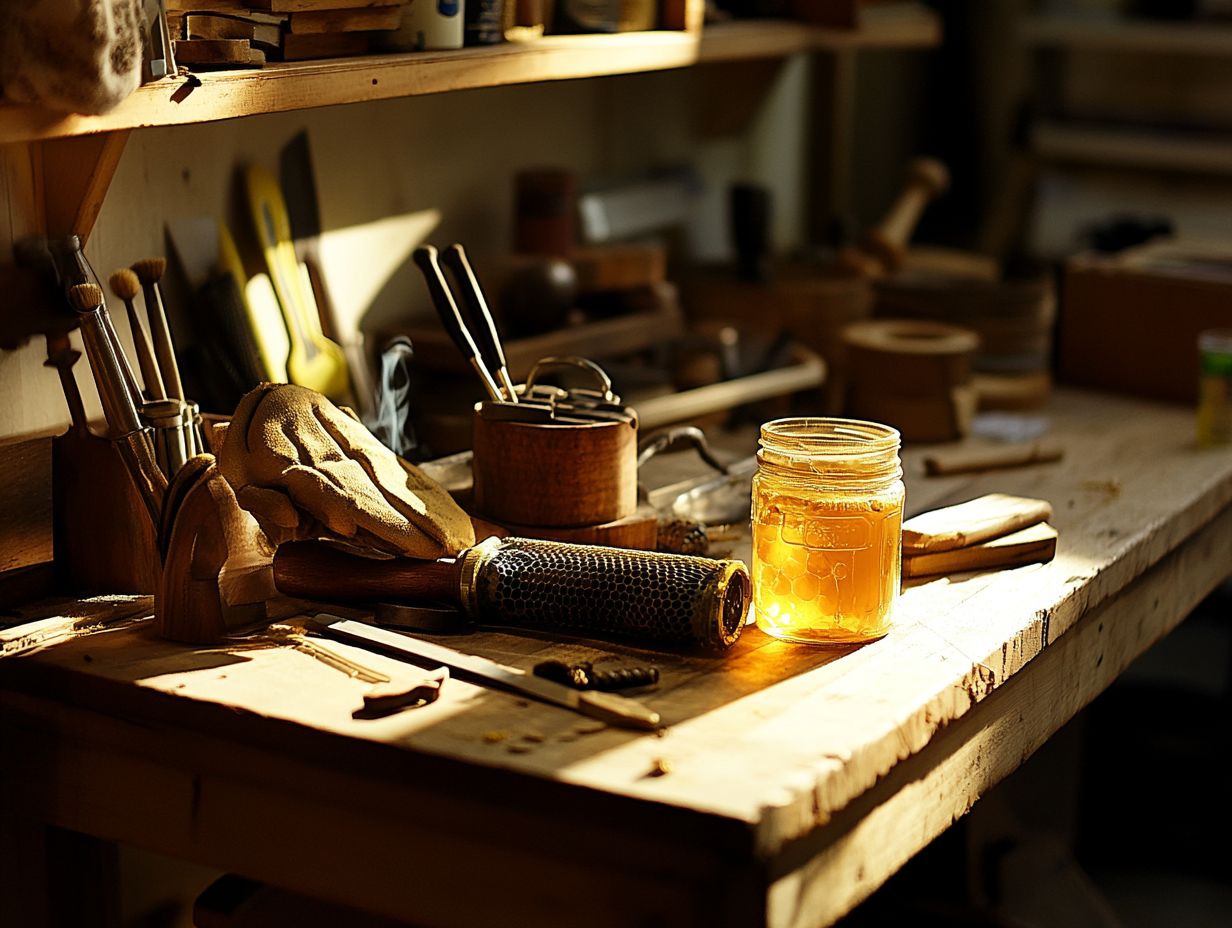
(797, 780)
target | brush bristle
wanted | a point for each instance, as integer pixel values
(150, 270)
(124, 284)
(85, 297)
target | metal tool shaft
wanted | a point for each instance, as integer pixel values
(425, 256)
(607, 707)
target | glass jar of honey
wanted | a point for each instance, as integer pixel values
(827, 530)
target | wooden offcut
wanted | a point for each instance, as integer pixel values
(962, 460)
(218, 53)
(969, 523)
(297, 46)
(1032, 545)
(329, 21)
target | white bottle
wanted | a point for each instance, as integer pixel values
(427, 24)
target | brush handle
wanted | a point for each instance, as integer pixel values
(150, 376)
(164, 349)
(118, 405)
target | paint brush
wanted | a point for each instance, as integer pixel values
(150, 271)
(125, 284)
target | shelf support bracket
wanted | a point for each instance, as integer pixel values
(72, 176)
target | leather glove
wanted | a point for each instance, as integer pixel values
(305, 469)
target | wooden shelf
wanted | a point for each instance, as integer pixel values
(1128, 35)
(1135, 148)
(211, 96)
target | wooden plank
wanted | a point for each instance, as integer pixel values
(1152, 37)
(1159, 150)
(293, 86)
(299, 6)
(318, 21)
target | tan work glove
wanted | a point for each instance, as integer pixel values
(305, 469)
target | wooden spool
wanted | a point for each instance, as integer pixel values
(913, 375)
(554, 475)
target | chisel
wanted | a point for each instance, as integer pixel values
(607, 707)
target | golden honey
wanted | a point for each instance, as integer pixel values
(827, 530)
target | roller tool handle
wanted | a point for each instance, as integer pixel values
(312, 570)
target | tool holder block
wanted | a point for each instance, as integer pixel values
(216, 575)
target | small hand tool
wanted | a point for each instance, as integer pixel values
(479, 318)
(426, 257)
(670, 600)
(616, 710)
(62, 356)
(125, 285)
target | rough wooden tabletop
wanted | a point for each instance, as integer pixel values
(774, 739)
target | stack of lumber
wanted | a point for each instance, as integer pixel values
(244, 33)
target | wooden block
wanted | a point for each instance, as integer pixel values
(218, 53)
(104, 540)
(1012, 391)
(968, 460)
(329, 22)
(972, 522)
(298, 6)
(619, 267)
(1130, 324)
(604, 338)
(215, 26)
(639, 530)
(25, 500)
(1033, 545)
(299, 47)
(208, 6)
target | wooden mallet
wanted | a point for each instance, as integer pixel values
(884, 246)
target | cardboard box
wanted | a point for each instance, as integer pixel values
(1130, 323)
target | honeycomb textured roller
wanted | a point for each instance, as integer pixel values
(667, 599)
